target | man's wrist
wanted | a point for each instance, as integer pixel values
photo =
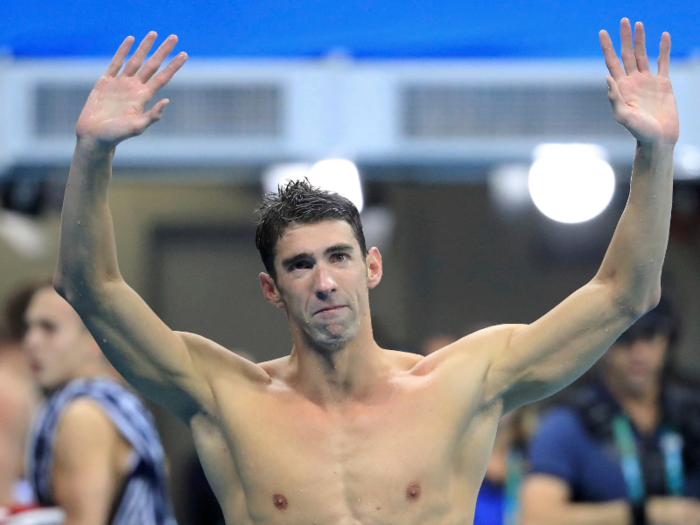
(660, 146)
(89, 149)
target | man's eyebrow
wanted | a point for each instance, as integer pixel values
(295, 258)
(338, 248)
(306, 256)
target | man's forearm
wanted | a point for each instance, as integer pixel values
(87, 254)
(636, 253)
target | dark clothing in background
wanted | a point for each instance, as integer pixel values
(145, 499)
(575, 443)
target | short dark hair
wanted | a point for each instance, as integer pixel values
(16, 308)
(300, 202)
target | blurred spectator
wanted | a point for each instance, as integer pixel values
(625, 449)
(17, 403)
(94, 451)
(18, 399)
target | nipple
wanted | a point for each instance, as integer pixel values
(413, 492)
(280, 501)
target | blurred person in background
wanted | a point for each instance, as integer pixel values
(629, 443)
(341, 430)
(18, 400)
(94, 451)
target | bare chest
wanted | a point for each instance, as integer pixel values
(392, 462)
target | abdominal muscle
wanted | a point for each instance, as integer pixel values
(273, 457)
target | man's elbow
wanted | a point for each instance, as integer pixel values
(76, 288)
(632, 299)
(66, 286)
(60, 284)
(638, 303)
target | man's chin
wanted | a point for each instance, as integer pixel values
(332, 339)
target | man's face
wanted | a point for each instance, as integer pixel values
(56, 340)
(637, 365)
(323, 281)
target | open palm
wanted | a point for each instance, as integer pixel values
(642, 102)
(114, 109)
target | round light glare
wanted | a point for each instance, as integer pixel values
(340, 176)
(571, 183)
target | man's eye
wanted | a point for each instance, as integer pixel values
(300, 265)
(339, 257)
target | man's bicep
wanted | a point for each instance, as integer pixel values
(84, 479)
(156, 360)
(547, 355)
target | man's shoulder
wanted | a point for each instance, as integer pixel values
(99, 401)
(96, 388)
(478, 347)
(214, 359)
(83, 412)
(83, 420)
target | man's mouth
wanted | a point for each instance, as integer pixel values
(330, 309)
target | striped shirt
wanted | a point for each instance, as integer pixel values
(145, 499)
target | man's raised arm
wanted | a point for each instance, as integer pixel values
(162, 364)
(538, 359)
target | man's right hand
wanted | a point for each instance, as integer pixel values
(114, 109)
(673, 511)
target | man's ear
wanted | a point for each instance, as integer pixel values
(374, 267)
(270, 290)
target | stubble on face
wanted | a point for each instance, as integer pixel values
(327, 315)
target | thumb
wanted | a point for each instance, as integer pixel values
(156, 112)
(615, 97)
(149, 117)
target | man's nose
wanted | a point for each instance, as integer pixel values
(30, 340)
(325, 282)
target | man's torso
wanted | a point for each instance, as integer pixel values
(413, 453)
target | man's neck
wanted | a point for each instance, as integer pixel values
(337, 376)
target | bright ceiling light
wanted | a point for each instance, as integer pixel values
(508, 185)
(571, 183)
(278, 175)
(336, 175)
(687, 162)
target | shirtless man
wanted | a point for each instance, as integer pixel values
(342, 431)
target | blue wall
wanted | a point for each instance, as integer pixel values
(361, 28)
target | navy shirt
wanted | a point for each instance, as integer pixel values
(565, 447)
